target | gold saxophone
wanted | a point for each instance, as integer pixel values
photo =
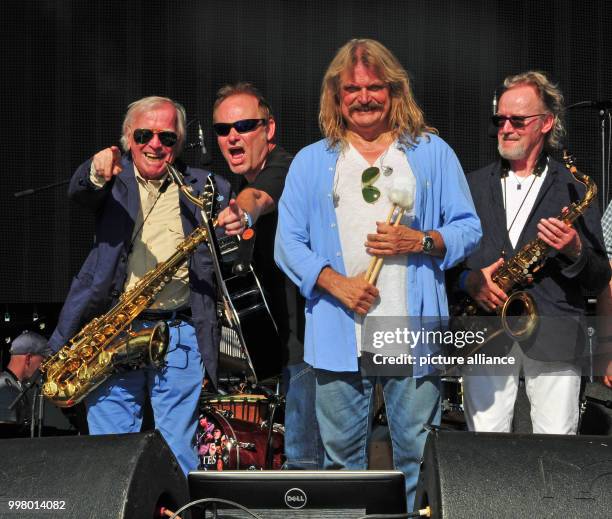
(107, 344)
(519, 314)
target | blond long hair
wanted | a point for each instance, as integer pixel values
(406, 119)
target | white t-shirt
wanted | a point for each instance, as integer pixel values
(357, 218)
(514, 197)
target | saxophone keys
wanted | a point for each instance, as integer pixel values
(86, 352)
(107, 331)
(69, 389)
(104, 358)
(73, 365)
(83, 373)
(49, 389)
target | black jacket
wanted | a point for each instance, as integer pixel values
(559, 287)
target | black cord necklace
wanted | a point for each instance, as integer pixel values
(539, 168)
(160, 192)
(522, 202)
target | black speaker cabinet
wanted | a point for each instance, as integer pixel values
(127, 476)
(467, 474)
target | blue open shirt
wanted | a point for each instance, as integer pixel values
(307, 240)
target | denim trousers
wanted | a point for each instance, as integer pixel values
(344, 407)
(116, 405)
(303, 446)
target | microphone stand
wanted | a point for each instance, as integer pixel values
(36, 407)
(603, 108)
(204, 158)
(28, 192)
(25, 387)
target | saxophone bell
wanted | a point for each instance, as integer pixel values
(70, 384)
(147, 347)
(519, 316)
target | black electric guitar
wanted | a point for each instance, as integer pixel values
(250, 341)
(245, 313)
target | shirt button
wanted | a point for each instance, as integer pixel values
(338, 254)
(333, 225)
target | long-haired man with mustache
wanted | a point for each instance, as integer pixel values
(331, 216)
(518, 198)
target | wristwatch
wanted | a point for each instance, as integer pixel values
(427, 242)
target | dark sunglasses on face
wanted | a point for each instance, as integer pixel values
(144, 135)
(242, 126)
(517, 121)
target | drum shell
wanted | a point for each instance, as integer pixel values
(249, 408)
(238, 444)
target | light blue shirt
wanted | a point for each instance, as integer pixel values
(307, 240)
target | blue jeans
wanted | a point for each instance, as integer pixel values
(344, 404)
(116, 405)
(303, 446)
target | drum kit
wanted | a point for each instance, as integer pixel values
(238, 432)
(240, 428)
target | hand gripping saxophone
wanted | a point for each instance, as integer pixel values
(519, 313)
(107, 344)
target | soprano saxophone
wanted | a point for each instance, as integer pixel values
(107, 344)
(519, 314)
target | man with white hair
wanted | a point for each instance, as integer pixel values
(139, 223)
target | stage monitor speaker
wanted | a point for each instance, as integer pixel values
(127, 476)
(466, 474)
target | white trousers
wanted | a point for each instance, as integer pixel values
(553, 390)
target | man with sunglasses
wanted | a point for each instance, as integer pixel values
(140, 220)
(331, 224)
(245, 129)
(520, 197)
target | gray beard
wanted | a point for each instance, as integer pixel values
(517, 153)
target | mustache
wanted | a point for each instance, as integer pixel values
(372, 105)
(509, 137)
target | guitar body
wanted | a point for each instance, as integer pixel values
(253, 323)
(250, 339)
(248, 324)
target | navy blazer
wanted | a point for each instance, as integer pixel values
(99, 283)
(559, 287)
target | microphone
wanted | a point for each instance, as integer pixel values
(492, 129)
(206, 160)
(603, 104)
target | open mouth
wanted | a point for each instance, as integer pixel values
(154, 158)
(236, 153)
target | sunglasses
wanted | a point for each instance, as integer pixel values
(369, 192)
(243, 126)
(517, 121)
(144, 135)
